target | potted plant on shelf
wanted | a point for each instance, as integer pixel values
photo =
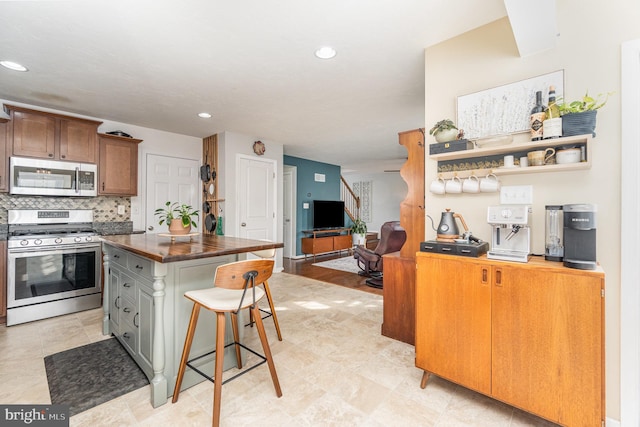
(359, 232)
(179, 217)
(444, 131)
(579, 117)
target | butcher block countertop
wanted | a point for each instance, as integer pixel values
(162, 248)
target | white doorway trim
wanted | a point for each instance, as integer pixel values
(630, 212)
(290, 247)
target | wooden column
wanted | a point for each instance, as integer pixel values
(210, 157)
(400, 267)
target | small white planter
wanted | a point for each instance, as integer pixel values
(359, 239)
(446, 135)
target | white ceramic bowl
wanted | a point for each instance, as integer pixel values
(570, 155)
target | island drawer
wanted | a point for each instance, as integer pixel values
(118, 257)
(128, 286)
(139, 265)
(128, 311)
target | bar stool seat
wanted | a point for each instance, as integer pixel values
(235, 288)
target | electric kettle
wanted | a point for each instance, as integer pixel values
(448, 229)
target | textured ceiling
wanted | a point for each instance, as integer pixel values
(249, 63)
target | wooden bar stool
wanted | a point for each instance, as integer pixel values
(234, 289)
(267, 254)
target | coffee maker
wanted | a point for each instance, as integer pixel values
(579, 236)
(510, 232)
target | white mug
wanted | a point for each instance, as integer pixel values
(489, 184)
(508, 161)
(437, 186)
(471, 184)
(524, 162)
(454, 185)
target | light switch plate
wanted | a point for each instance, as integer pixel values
(516, 195)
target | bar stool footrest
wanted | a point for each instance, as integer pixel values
(244, 370)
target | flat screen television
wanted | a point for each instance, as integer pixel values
(328, 213)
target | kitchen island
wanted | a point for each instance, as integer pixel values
(146, 276)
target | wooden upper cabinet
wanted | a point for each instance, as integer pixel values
(4, 136)
(78, 141)
(118, 165)
(53, 136)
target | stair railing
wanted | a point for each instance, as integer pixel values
(351, 201)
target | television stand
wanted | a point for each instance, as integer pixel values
(325, 240)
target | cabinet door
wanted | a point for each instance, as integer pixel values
(548, 343)
(3, 282)
(114, 304)
(4, 138)
(78, 141)
(144, 322)
(118, 167)
(33, 135)
(453, 321)
(344, 241)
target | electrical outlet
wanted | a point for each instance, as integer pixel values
(516, 195)
(120, 209)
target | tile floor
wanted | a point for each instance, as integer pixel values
(334, 367)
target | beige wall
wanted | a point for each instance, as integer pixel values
(588, 49)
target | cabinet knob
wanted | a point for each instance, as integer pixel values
(63, 157)
(50, 155)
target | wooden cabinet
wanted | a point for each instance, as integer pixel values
(4, 160)
(118, 165)
(530, 335)
(323, 241)
(3, 282)
(53, 136)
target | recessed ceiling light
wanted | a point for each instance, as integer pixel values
(13, 66)
(325, 52)
(204, 115)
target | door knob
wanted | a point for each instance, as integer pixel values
(150, 228)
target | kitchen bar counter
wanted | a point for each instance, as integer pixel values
(161, 249)
(146, 276)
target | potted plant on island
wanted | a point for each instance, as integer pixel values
(179, 217)
(579, 117)
(359, 232)
(444, 131)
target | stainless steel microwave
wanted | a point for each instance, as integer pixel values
(41, 177)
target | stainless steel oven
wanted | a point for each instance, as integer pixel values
(53, 264)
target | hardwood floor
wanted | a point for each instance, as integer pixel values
(305, 268)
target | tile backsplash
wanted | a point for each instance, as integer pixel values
(105, 208)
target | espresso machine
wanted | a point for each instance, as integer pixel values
(510, 232)
(580, 236)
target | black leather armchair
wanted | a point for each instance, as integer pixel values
(392, 237)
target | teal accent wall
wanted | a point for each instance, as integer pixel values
(308, 190)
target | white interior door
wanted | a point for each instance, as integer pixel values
(256, 198)
(289, 211)
(170, 179)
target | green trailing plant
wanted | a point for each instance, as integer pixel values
(359, 227)
(586, 103)
(445, 124)
(174, 210)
